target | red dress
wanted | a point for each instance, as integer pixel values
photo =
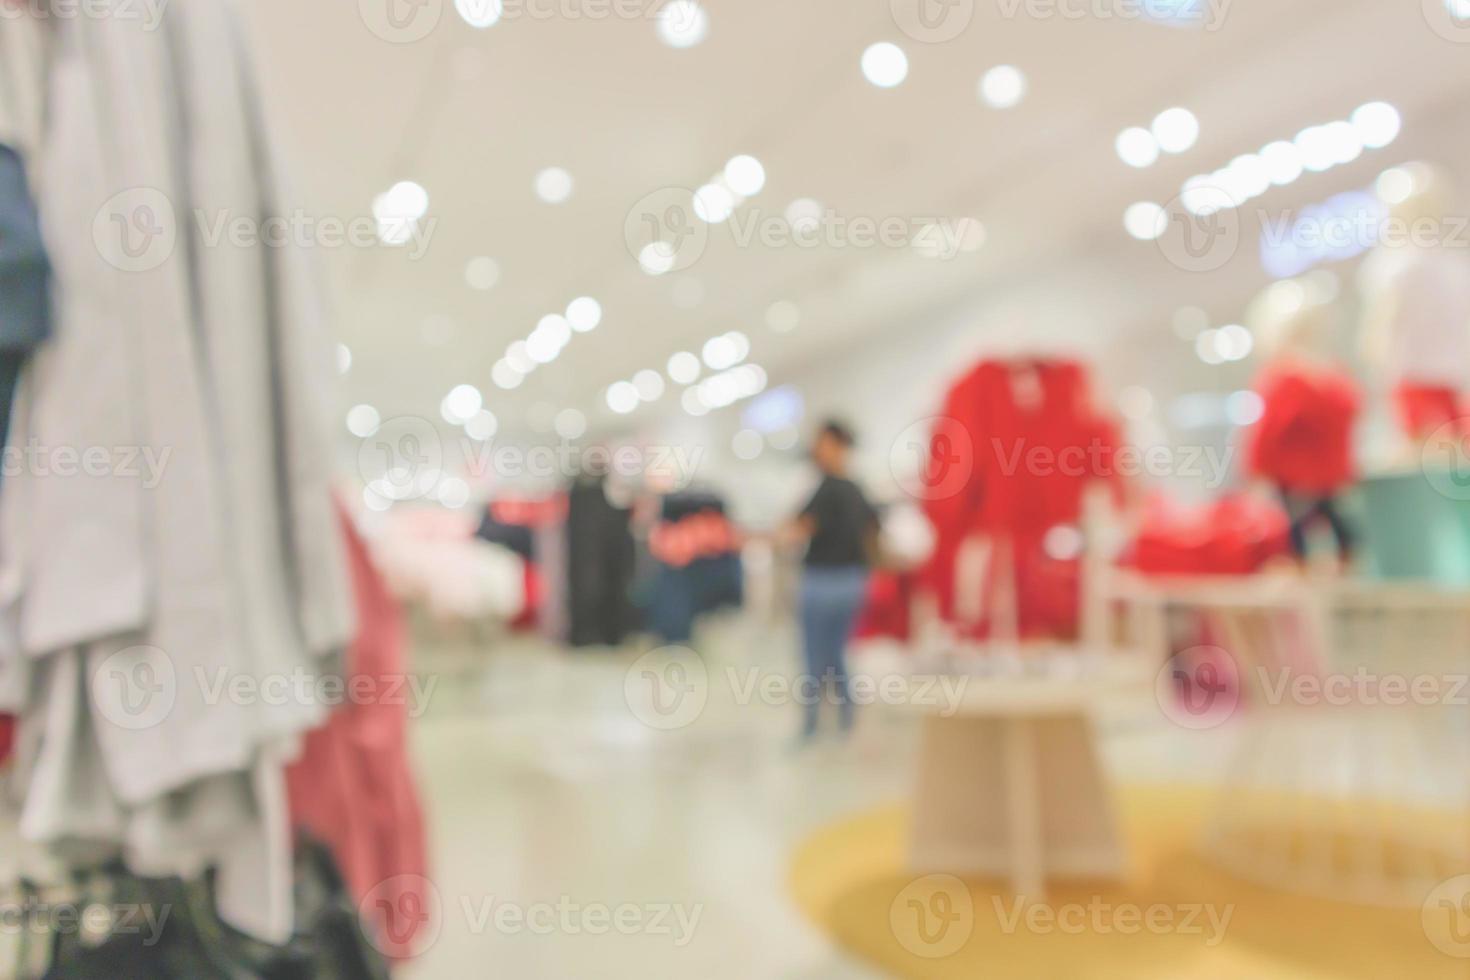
(1019, 446)
(1303, 442)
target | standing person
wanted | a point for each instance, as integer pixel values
(841, 531)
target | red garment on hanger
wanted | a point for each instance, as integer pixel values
(353, 787)
(1020, 444)
(7, 737)
(1304, 439)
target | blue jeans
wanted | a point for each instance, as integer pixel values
(831, 599)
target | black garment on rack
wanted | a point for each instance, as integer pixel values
(193, 944)
(517, 537)
(676, 596)
(600, 563)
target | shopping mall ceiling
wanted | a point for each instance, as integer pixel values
(489, 121)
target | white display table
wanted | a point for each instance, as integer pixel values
(1012, 784)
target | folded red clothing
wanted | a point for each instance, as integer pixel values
(1235, 535)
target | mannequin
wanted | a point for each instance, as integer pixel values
(1416, 302)
(1302, 444)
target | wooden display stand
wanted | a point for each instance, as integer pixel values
(1012, 785)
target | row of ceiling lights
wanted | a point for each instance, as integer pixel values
(545, 343)
(886, 65)
(680, 23)
(1315, 149)
(684, 368)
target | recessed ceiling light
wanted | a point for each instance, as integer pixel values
(344, 358)
(461, 404)
(479, 13)
(506, 376)
(1395, 186)
(1137, 147)
(885, 64)
(783, 316)
(683, 23)
(1283, 162)
(554, 185)
(1003, 86)
(713, 204)
(482, 273)
(570, 423)
(1145, 221)
(542, 347)
(482, 425)
(747, 444)
(804, 214)
(650, 385)
(1377, 124)
(405, 200)
(1233, 342)
(622, 397)
(684, 368)
(363, 421)
(657, 258)
(555, 328)
(1176, 129)
(584, 314)
(745, 175)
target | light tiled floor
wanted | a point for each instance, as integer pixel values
(543, 787)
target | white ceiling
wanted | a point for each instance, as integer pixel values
(473, 115)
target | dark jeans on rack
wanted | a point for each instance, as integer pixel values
(831, 599)
(1302, 510)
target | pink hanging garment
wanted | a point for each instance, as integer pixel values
(353, 787)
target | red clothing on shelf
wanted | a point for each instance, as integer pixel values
(353, 787)
(1424, 408)
(1304, 440)
(1235, 535)
(1018, 446)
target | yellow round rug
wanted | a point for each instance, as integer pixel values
(1179, 916)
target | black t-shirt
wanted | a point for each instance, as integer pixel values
(845, 523)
